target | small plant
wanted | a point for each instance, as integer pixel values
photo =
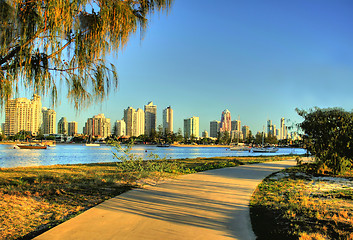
(135, 167)
(299, 160)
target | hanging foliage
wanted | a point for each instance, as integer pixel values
(44, 42)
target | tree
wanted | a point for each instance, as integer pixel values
(23, 135)
(258, 138)
(271, 139)
(44, 43)
(329, 136)
(224, 138)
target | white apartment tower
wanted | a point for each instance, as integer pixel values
(168, 120)
(135, 122)
(120, 128)
(150, 118)
(62, 126)
(139, 120)
(49, 121)
(23, 114)
(191, 127)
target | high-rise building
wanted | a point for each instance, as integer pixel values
(271, 128)
(72, 128)
(62, 126)
(49, 121)
(150, 118)
(120, 128)
(283, 130)
(129, 116)
(236, 125)
(139, 120)
(98, 126)
(245, 131)
(226, 122)
(191, 127)
(135, 122)
(23, 114)
(168, 120)
(214, 128)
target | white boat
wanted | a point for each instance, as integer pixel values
(265, 149)
(92, 144)
(239, 148)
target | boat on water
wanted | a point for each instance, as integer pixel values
(239, 148)
(92, 144)
(31, 146)
(163, 145)
(264, 149)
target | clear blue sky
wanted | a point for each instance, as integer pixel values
(259, 59)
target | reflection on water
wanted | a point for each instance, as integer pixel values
(76, 153)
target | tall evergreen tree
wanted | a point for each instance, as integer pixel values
(46, 42)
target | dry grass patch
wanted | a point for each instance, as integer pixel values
(34, 199)
(298, 204)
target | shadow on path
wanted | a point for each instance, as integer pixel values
(207, 205)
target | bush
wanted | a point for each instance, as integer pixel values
(329, 136)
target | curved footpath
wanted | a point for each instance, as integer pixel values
(207, 205)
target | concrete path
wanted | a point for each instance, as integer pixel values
(208, 205)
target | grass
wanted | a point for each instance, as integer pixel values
(300, 204)
(35, 199)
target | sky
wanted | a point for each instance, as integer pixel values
(259, 59)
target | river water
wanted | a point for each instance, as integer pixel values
(77, 153)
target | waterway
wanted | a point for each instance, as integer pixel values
(77, 153)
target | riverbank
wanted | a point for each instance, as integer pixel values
(35, 199)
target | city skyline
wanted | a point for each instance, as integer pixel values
(134, 122)
(260, 60)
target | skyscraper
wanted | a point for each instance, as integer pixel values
(139, 126)
(135, 121)
(226, 122)
(72, 128)
(120, 128)
(150, 118)
(283, 130)
(49, 121)
(129, 117)
(62, 126)
(214, 128)
(246, 131)
(23, 114)
(271, 128)
(98, 126)
(168, 120)
(236, 125)
(191, 127)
